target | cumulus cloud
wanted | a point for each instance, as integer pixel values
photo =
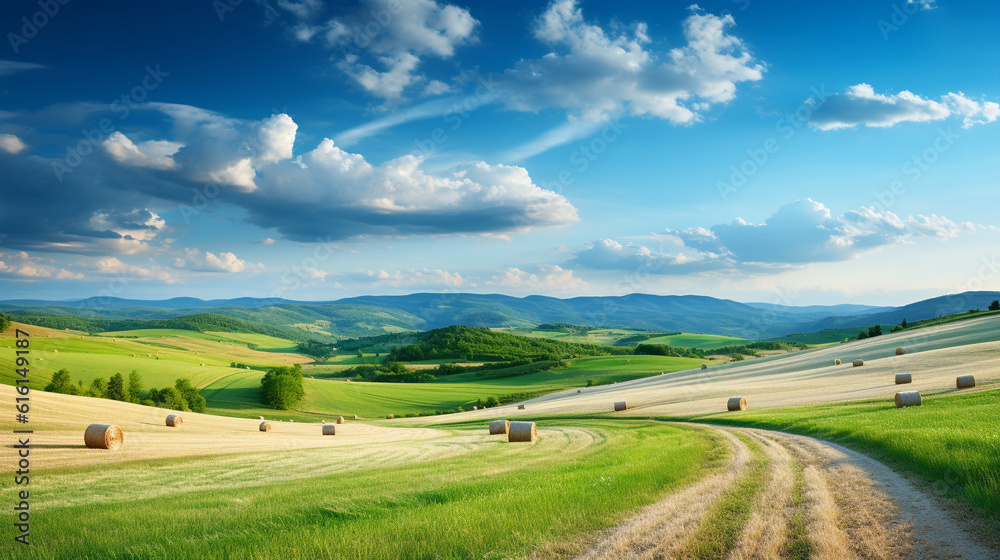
(798, 234)
(323, 193)
(138, 224)
(226, 262)
(410, 277)
(21, 266)
(12, 144)
(115, 267)
(550, 278)
(860, 105)
(156, 154)
(594, 73)
(383, 42)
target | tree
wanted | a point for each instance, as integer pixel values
(903, 324)
(4, 323)
(61, 383)
(282, 386)
(320, 350)
(116, 388)
(134, 386)
(194, 399)
(862, 335)
(875, 331)
(97, 388)
(995, 306)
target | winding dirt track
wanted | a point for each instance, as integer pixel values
(850, 507)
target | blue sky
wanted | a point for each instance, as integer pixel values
(784, 152)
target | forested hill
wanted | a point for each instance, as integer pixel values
(482, 344)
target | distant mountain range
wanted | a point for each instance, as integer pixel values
(370, 315)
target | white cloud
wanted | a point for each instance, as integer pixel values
(276, 137)
(12, 144)
(384, 41)
(138, 224)
(436, 87)
(8, 67)
(608, 254)
(157, 154)
(859, 104)
(266, 241)
(114, 266)
(597, 73)
(210, 262)
(410, 277)
(550, 278)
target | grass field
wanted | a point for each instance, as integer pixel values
(496, 501)
(703, 341)
(951, 441)
(611, 336)
(237, 393)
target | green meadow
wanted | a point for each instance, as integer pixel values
(496, 500)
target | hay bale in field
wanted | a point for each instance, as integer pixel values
(907, 398)
(261, 417)
(965, 381)
(499, 427)
(248, 367)
(133, 355)
(858, 363)
(265, 426)
(475, 408)
(104, 436)
(903, 378)
(704, 366)
(620, 406)
(736, 403)
(522, 431)
(900, 351)
(355, 416)
(579, 390)
(391, 416)
(329, 430)
(836, 362)
(202, 365)
(55, 351)
(174, 420)
(340, 420)
(520, 407)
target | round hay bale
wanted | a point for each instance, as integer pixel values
(858, 363)
(202, 365)
(522, 431)
(329, 429)
(133, 355)
(836, 362)
(903, 378)
(499, 427)
(340, 420)
(174, 420)
(265, 426)
(391, 416)
(475, 408)
(520, 407)
(104, 436)
(704, 366)
(579, 390)
(55, 351)
(355, 416)
(965, 381)
(736, 403)
(907, 398)
(620, 406)
(900, 351)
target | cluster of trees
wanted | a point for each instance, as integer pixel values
(4, 323)
(321, 351)
(282, 386)
(871, 332)
(479, 343)
(995, 306)
(390, 372)
(238, 365)
(667, 350)
(182, 396)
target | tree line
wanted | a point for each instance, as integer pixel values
(182, 396)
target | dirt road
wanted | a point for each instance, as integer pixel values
(818, 500)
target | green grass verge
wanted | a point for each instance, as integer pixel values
(501, 501)
(719, 531)
(951, 441)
